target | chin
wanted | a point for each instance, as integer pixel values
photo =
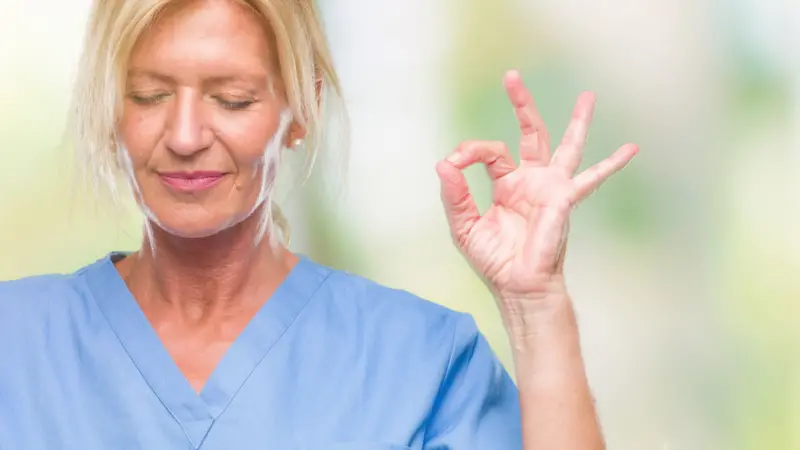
(193, 226)
(191, 231)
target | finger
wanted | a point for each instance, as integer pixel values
(570, 151)
(590, 179)
(534, 146)
(494, 155)
(459, 206)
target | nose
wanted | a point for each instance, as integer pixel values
(187, 131)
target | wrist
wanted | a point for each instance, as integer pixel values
(534, 322)
(535, 289)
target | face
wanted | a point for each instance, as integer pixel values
(201, 130)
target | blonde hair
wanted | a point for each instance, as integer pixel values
(309, 79)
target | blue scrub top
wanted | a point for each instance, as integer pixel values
(331, 362)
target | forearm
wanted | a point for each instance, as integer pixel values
(557, 407)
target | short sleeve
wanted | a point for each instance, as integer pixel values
(477, 405)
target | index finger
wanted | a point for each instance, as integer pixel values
(459, 206)
(534, 145)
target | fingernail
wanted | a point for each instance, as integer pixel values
(455, 158)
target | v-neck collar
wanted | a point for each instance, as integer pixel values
(197, 413)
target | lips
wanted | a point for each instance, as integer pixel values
(191, 181)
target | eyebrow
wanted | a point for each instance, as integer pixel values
(135, 73)
(261, 81)
(223, 79)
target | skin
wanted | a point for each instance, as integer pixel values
(198, 98)
(518, 248)
(208, 279)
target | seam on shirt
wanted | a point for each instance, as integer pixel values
(286, 329)
(213, 418)
(438, 400)
(133, 361)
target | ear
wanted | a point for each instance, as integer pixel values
(296, 132)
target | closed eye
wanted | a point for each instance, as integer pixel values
(234, 105)
(148, 99)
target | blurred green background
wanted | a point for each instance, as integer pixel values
(683, 267)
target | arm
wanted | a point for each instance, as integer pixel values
(518, 248)
(557, 409)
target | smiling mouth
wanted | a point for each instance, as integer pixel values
(191, 181)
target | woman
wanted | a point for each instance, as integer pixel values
(213, 335)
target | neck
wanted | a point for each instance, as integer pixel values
(203, 278)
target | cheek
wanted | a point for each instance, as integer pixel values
(139, 134)
(247, 137)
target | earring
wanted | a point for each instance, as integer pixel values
(297, 143)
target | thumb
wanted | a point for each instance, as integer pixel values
(459, 206)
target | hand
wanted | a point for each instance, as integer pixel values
(518, 245)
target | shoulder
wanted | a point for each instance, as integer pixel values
(33, 288)
(390, 306)
(392, 321)
(471, 400)
(39, 294)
